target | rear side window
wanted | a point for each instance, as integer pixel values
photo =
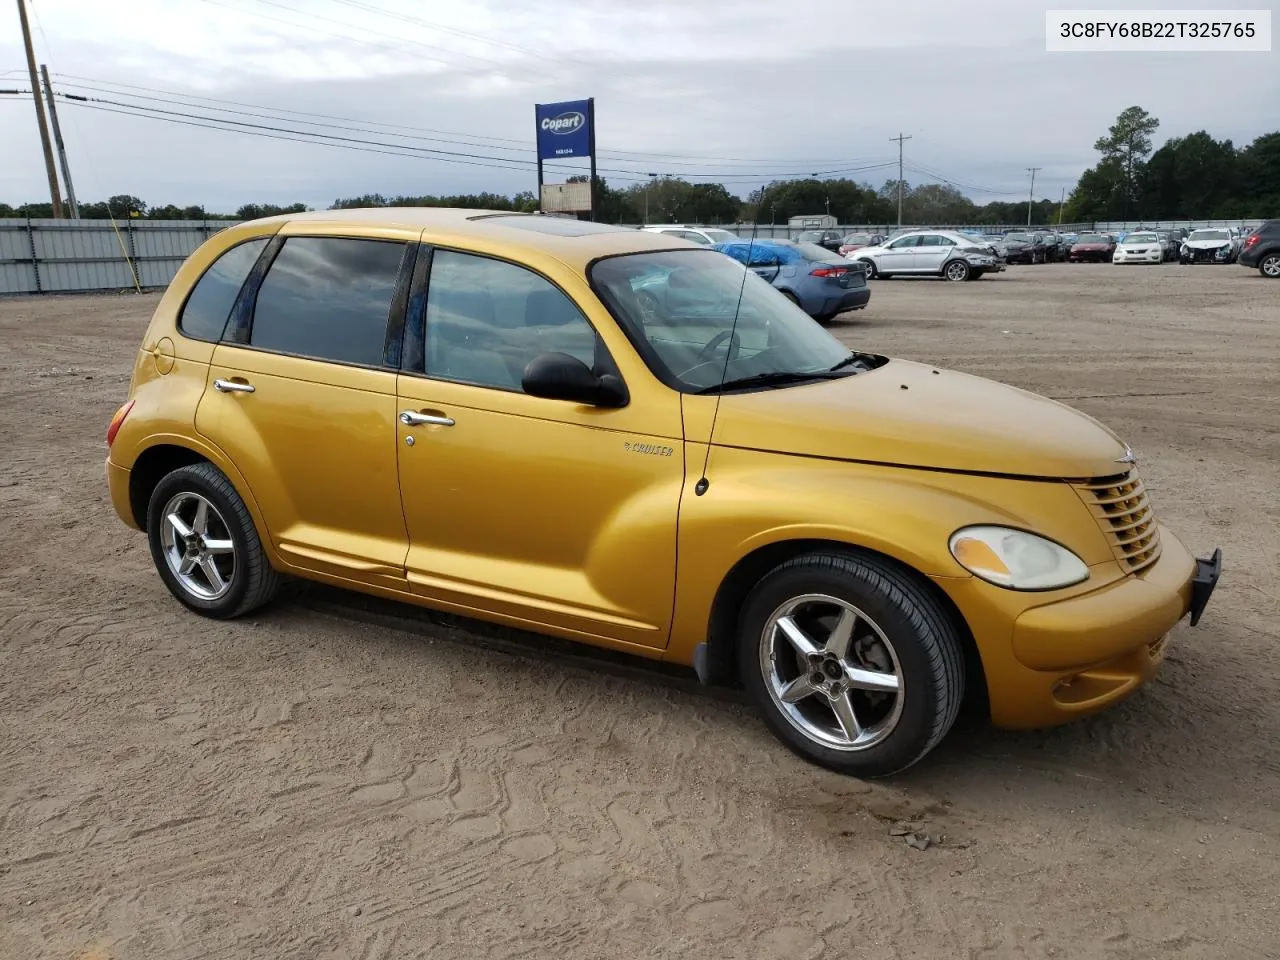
(328, 298)
(205, 313)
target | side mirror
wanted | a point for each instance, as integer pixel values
(559, 376)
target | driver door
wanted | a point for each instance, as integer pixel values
(899, 255)
(536, 512)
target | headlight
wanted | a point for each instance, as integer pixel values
(1016, 559)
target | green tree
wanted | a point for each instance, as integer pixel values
(1128, 143)
(252, 211)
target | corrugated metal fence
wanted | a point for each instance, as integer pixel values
(73, 256)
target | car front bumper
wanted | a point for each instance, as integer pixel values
(1151, 256)
(1053, 662)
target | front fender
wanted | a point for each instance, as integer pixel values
(756, 500)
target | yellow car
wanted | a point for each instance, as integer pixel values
(624, 439)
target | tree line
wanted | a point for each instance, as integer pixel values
(1188, 178)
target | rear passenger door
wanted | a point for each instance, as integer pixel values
(302, 398)
(931, 253)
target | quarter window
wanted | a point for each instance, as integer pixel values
(205, 313)
(328, 298)
(486, 319)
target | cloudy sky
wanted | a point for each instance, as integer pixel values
(729, 90)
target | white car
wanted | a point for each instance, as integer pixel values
(1210, 246)
(941, 253)
(1142, 247)
(702, 235)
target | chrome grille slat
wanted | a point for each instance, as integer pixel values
(1123, 511)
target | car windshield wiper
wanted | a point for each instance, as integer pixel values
(849, 361)
(774, 378)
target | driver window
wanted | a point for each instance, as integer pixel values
(486, 319)
(903, 242)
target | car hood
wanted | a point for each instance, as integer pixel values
(912, 414)
(1205, 244)
(1090, 246)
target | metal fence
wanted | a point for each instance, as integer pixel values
(77, 256)
(74, 256)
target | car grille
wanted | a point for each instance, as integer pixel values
(1123, 512)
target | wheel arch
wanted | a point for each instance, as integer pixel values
(717, 660)
(163, 455)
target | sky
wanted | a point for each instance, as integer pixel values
(738, 91)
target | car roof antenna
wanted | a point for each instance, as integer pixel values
(703, 483)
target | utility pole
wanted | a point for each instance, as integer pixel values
(44, 127)
(647, 186)
(57, 139)
(1032, 192)
(899, 138)
(1061, 203)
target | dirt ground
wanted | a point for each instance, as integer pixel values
(340, 779)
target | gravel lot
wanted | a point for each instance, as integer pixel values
(338, 778)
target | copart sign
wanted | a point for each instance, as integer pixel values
(564, 129)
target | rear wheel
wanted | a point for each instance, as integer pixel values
(205, 546)
(957, 270)
(851, 662)
(1269, 266)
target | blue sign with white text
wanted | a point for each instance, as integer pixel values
(564, 129)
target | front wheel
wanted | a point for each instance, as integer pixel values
(205, 546)
(851, 662)
(957, 270)
(869, 267)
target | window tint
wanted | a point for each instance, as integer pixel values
(487, 319)
(905, 242)
(205, 313)
(933, 240)
(328, 297)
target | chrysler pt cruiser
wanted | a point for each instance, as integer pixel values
(620, 438)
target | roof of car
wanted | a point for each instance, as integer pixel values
(574, 242)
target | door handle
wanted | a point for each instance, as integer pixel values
(232, 386)
(411, 418)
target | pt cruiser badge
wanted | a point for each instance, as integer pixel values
(652, 449)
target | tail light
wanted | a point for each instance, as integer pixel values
(116, 421)
(1252, 239)
(828, 271)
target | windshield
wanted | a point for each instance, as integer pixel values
(812, 236)
(678, 308)
(863, 238)
(1141, 238)
(720, 236)
(1208, 235)
(1094, 238)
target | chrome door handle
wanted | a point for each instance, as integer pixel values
(231, 386)
(411, 418)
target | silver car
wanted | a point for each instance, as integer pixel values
(940, 253)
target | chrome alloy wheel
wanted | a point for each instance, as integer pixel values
(957, 270)
(197, 546)
(1271, 265)
(832, 672)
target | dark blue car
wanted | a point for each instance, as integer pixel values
(822, 283)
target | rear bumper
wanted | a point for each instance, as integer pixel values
(1076, 656)
(118, 490)
(819, 306)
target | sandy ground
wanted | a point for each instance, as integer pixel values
(341, 779)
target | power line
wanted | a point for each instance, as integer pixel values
(659, 159)
(934, 175)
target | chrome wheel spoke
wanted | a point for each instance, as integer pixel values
(842, 706)
(797, 689)
(210, 569)
(187, 565)
(178, 524)
(219, 547)
(201, 522)
(841, 635)
(871, 680)
(797, 637)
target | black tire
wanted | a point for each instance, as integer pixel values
(253, 581)
(1269, 265)
(924, 639)
(869, 267)
(957, 270)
